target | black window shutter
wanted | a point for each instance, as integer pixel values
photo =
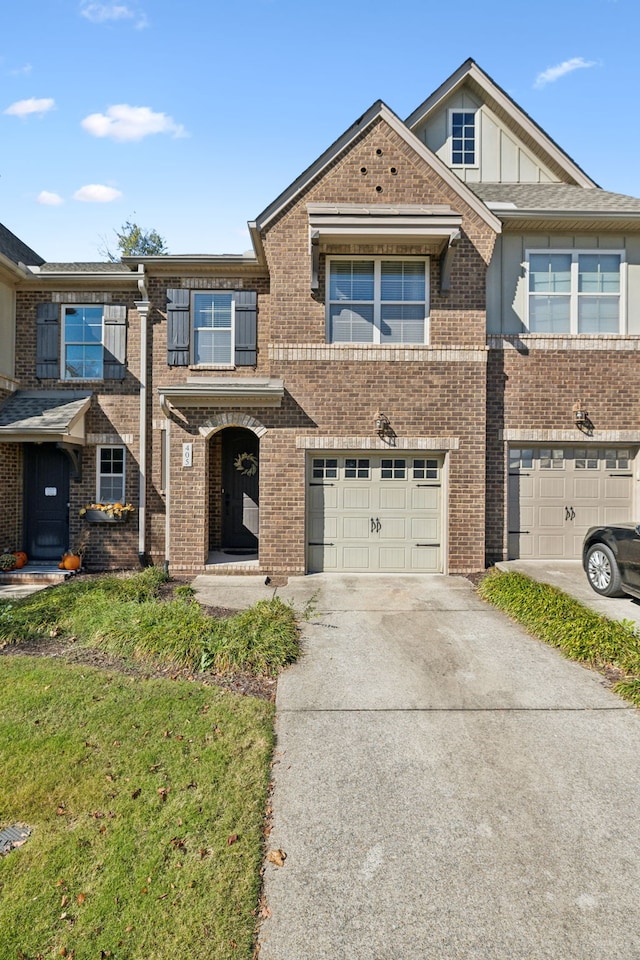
(178, 327)
(246, 315)
(115, 341)
(47, 341)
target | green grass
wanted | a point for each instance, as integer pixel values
(124, 617)
(580, 633)
(132, 789)
(146, 797)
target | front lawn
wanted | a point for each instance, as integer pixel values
(145, 796)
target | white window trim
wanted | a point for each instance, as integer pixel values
(575, 253)
(476, 128)
(211, 365)
(63, 344)
(377, 302)
(111, 446)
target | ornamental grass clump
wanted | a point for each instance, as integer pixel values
(580, 633)
(261, 640)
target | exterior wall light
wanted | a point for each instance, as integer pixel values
(580, 415)
(582, 419)
(383, 425)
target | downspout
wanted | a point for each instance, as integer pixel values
(142, 306)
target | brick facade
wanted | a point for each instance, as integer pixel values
(461, 394)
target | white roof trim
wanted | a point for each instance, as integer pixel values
(470, 69)
(378, 110)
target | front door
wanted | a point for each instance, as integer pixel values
(46, 501)
(240, 512)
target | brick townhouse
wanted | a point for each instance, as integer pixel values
(427, 363)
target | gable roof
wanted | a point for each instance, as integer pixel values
(15, 250)
(376, 111)
(470, 74)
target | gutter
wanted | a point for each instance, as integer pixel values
(142, 306)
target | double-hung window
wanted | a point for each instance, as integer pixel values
(83, 357)
(378, 300)
(462, 130)
(110, 479)
(575, 292)
(213, 327)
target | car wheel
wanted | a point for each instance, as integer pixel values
(602, 571)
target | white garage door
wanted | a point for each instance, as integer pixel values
(375, 513)
(556, 494)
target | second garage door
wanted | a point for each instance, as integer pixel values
(375, 513)
(557, 493)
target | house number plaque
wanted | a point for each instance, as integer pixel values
(187, 454)
(51, 491)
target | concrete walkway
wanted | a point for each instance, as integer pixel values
(445, 786)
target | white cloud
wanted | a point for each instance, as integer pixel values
(23, 71)
(97, 193)
(551, 74)
(48, 199)
(105, 12)
(123, 122)
(23, 108)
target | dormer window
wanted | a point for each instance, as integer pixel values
(463, 134)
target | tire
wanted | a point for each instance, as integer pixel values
(602, 571)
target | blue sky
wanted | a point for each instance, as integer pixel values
(191, 117)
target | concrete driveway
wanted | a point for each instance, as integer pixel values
(445, 786)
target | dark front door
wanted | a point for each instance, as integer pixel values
(240, 499)
(46, 501)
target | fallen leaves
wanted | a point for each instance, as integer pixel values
(277, 857)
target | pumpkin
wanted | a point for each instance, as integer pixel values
(21, 557)
(61, 565)
(71, 561)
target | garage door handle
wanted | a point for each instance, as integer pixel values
(567, 515)
(373, 526)
(378, 526)
(573, 514)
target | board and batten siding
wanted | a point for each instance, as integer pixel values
(503, 157)
(506, 282)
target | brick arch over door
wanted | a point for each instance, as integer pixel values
(233, 418)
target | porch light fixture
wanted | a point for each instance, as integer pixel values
(582, 419)
(580, 415)
(383, 425)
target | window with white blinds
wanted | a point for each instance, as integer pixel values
(378, 300)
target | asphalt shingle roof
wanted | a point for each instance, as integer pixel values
(13, 248)
(88, 267)
(555, 197)
(41, 411)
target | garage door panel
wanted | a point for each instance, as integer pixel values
(424, 528)
(551, 516)
(355, 558)
(392, 558)
(375, 524)
(551, 487)
(586, 488)
(617, 488)
(550, 546)
(356, 498)
(615, 513)
(550, 509)
(393, 528)
(425, 498)
(425, 559)
(393, 498)
(323, 498)
(355, 528)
